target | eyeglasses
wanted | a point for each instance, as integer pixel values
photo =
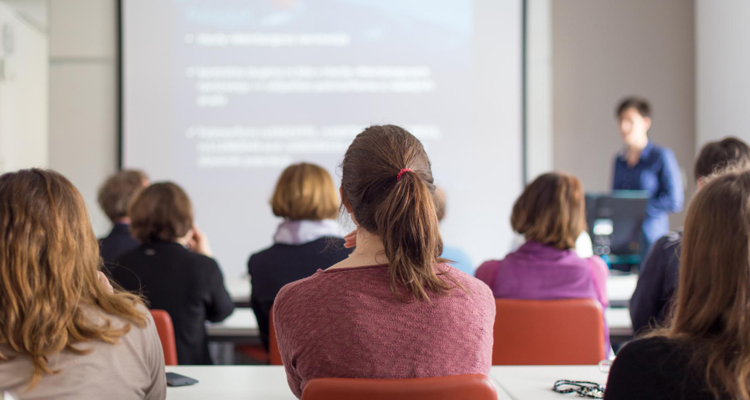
(591, 390)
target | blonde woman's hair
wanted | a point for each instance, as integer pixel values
(49, 260)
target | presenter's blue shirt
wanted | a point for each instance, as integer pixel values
(658, 173)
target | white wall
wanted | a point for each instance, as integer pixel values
(83, 95)
(606, 50)
(539, 136)
(722, 52)
(23, 88)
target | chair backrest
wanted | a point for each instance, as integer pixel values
(164, 327)
(475, 387)
(274, 357)
(548, 332)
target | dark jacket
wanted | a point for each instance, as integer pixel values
(657, 369)
(280, 264)
(657, 284)
(189, 286)
(118, 242)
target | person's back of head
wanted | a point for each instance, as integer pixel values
(118, 191)
(305, 192)
(49, 269)
(551, 211)
(387, 186)
(719, 155)
(713, 299)
(161, 212)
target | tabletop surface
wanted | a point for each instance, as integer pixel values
(242, 322)
(535, 382)
(269, 382)
(620, 288)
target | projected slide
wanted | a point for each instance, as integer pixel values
(219, 96)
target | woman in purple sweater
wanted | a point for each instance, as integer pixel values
(392, 309)
(550, 214)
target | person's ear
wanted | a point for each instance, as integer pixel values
(345, 201)
(647, 122)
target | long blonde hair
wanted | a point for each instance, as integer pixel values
(712, 313)
(49, 259)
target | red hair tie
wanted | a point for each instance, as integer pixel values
(398, 177)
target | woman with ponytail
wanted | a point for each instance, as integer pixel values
(393, 309)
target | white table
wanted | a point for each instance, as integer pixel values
(241, 323)
(618, 320)
(239, 290)
(535, 382)
(269, 382)
(620, 289)
(232, 383)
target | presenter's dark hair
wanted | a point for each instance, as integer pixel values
(720, 155)
(640, 104)
(551, 210)
(399, 211)
(118, 191)
(161, 212)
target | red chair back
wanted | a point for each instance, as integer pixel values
(548, 332)
(475, 387)
(274, 356)
(164, 327)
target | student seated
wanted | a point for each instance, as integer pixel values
(458, 258)
(173, 269)
(65, 334)
(114, 197)
(704, 350)
(392, 309)
(550, 214)
(307, 240)
(653, 296)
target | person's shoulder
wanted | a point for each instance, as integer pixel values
(650, 348)
(297, 290)
(662, 151)
(669, 241)
(473, 285)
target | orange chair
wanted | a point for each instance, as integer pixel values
(274, 356)
(548, 332)
(164, 327)
(475, 387)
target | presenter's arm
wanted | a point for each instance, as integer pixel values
(671, 195)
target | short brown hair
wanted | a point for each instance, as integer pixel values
(161, 212)
(551, 210)
(717, 156)
(118, 190)
(305, 192)
(640, 104)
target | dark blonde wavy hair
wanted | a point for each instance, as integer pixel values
(712, 311)
(49, 260)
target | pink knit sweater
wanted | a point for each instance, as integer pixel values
(347, 323)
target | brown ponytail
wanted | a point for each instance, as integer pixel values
(400, 211)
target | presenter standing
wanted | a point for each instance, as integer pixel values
(643, 165)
